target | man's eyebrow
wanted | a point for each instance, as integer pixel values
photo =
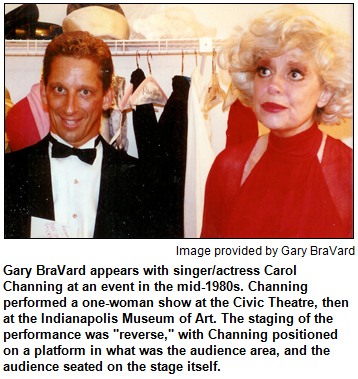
(91, 88)
(55, 84)
(81, 87)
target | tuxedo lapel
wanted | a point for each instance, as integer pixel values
(102, 219)
(28, 189)
(40, 187)
(118, 199)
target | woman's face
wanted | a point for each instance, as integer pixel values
(287, 91)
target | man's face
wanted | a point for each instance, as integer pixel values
(75, 99)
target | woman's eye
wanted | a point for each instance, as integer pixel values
(85, 92)
(296, 75)
(263, 71)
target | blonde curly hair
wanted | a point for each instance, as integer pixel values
(288, 28)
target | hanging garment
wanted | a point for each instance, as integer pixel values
(145, 127)
(296, 187)
(8, 102)
(242, 124)
(148, 92)
(145, 123)
(230, 98)
(27, 122)
(114, 121)
(172, 151)
(214, 95)
(8, 105)
(200, 157)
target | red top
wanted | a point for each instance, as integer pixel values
(288, 194)
(20, 126)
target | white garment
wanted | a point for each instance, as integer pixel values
(200, 157)
(75, 189)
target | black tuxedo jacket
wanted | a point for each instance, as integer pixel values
(124, 198)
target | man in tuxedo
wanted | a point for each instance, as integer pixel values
(73, 176)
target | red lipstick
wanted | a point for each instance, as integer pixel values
(273, 107)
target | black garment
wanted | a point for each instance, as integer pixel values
(145, 123)
(172, 148)
(122, 210)
(145, 127)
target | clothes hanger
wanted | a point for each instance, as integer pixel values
(150, 69)
(182, 67)
(149, 91)
(182, 63)
(214, 93)
(124, 104)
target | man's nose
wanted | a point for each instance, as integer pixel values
(71, 104)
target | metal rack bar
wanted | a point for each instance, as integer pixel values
(121, 47)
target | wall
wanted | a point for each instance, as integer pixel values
(21, 73)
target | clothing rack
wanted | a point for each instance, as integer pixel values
(125, 47)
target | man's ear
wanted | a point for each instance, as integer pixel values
(108, 98)
(43, 92)
(326, 95)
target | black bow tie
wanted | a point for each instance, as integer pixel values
(59, 150)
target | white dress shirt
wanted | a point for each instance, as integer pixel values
(75, 189)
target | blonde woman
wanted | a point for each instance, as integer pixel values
(295, 182)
